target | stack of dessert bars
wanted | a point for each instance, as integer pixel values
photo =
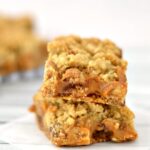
(82, 98)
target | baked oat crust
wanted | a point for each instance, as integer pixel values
(85, 67)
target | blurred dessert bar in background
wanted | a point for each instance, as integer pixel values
(20, 48)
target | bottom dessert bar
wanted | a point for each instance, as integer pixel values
(68, 123)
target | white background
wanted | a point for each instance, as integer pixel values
(127, 22)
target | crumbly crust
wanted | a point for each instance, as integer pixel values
(79, 123)
(85, 67)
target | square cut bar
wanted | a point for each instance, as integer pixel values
(74, 123)
(85, 67)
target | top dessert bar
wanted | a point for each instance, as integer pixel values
(85, 67)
